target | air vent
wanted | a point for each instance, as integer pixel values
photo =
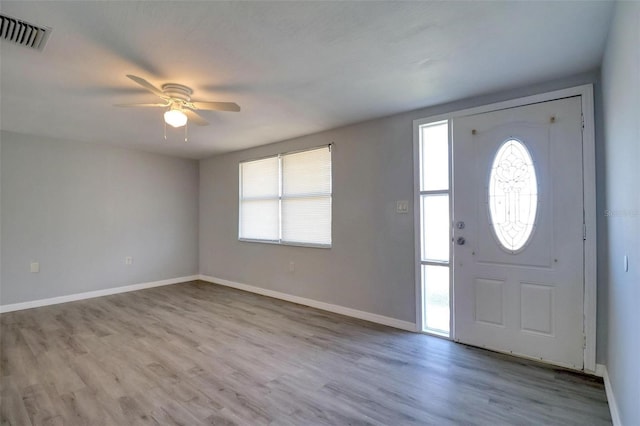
(23, 33)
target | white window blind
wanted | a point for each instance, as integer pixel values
(260, 199)
(287, 198)
(306, 197)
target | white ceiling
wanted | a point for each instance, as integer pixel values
(295, 68)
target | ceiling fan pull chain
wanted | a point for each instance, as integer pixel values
(186, 134)
(165, 130)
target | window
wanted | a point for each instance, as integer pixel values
(286, 199)
(435, 238)
(513, 195)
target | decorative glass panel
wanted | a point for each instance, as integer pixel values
(513, 195)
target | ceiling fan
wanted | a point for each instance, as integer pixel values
(180, 108)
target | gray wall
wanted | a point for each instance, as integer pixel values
(621, 100)
(79, 209)
(371, 264)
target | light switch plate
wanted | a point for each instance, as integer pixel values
(402, 206)
(35, 267)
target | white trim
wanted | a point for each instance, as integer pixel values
(589, 197)
(417, 226)
(92, 294)
(590, 216)
(512, 103)
(417, 202)
(613, 406)
(342, 310)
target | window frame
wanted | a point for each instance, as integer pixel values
(281, 197)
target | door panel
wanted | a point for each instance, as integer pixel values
(526, 300)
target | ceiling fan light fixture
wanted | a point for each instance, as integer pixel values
(175, 118)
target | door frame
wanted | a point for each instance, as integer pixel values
(589, 195)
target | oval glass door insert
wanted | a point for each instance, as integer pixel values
(513, 195)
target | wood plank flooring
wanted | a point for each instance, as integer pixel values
(197, 353)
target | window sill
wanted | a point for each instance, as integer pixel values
(285, 243)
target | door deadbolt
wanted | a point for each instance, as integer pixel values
(460, 225)
(460, 241)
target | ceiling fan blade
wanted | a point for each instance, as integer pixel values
(150, 87)
(195, 117)
(142, 105)
(217, 106)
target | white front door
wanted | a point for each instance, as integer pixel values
(518, 231)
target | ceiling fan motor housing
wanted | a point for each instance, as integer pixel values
(177, 91)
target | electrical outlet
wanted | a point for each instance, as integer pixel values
(292, 266)
(128, 260)
(35, 267)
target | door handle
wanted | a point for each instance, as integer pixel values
(460, 241)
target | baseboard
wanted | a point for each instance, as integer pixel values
(92, 294)
(342, 310)
(613, 406)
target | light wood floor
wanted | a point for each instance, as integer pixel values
(198, 353)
